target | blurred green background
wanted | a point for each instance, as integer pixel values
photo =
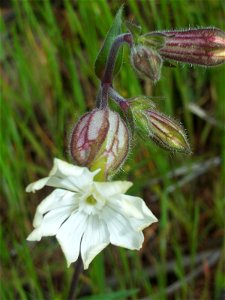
(48, 49)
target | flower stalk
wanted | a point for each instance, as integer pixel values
(106, 82)
(123, 103)
(109, 68)
(74, 282)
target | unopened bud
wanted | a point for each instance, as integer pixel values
(147, 62)
(100, 139)
(167, 132)
(204, 47)
(149, 122)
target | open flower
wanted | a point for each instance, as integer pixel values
(85, 216)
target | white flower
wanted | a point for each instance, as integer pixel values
(85, 216)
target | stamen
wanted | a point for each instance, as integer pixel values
(91, 200)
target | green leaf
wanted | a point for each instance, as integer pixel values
(113, 32)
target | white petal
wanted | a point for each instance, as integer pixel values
(70, 234)
(50, 224)
(95, 239)
(58, 198)
(108, 189)
(37, 185)
(54, 219)
(120, 230)
(35, 235)
(134, 209)
(60, 179)
(65, 176)
(62, 169)
(68, 183)
(64, 183)
(82, 182)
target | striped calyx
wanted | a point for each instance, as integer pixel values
(166, 132)
(100, 139)
(163, 130)
(204, 47)
(146, 62)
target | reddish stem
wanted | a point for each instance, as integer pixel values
(106, 82)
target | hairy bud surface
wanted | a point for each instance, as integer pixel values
(166, 132)
(147, 62)
(163, 130)
(204, 47)
(100, 139)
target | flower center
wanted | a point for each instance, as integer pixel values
(91, 200)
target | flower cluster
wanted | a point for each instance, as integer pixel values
(86, 211)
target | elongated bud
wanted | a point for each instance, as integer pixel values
(147, 62)
(167, 132)
(149, 122)
(204, 47)
(100, 139)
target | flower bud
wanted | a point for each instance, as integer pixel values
(147, 62)
(166, 132)
(204, 47)
(100, 139)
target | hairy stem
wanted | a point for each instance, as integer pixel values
(103, 95)
(123, 103)
(106, 82)
(110, 64)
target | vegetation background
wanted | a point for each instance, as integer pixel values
(47, 81)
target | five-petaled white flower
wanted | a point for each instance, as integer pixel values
(85, 216)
